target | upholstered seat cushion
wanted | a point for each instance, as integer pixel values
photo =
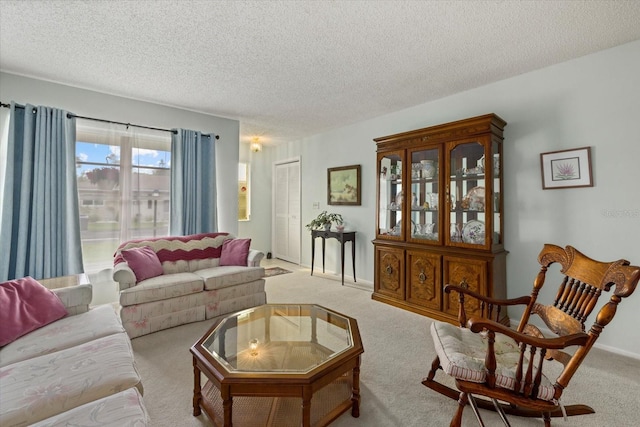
(65, 333)
(229, 275)
(462, 355)
(161, 288)
(35, 389)
(121, 409)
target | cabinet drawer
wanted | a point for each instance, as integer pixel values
(424, 280)
(470, 273)
(389, 272)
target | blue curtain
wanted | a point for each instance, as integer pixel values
(40, 231)
(193, 183)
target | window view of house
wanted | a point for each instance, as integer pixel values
(123, 190)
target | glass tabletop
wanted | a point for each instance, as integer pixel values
(285, 338)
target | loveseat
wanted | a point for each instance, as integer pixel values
(75, 364)
(169, 281)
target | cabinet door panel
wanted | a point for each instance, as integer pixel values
(469, 273)
(390, 272)
(470, 187)
(424, 282)
(423, 205)
(391, 195)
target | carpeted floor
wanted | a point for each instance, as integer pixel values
(398, 354)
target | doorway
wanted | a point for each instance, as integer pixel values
(286, 210)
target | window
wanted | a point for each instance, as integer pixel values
(244, 201)
(123, 174)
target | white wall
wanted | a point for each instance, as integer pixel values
(102, 106)
(258, 227)
(590, 101)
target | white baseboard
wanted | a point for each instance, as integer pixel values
(365, 285)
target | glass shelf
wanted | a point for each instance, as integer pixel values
(390, 196)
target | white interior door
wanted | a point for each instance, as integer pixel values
(286, 207)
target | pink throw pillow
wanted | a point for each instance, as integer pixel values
(26, 305)
(235, 252)
(143, 261)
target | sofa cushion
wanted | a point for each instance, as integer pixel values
(143, 261)
(235, 252)
(228, 275)
(26, 306)
(65, 333)
(121, 409)
(39, 388)
(189, 265)
(161, 288)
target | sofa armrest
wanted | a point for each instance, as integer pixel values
(124, 275)
(254, 258)
(76, 299)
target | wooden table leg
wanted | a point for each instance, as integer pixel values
(313, 251)
(353, 257)
(342, 259)
(227, 405)
(306, 406)
(197, 391)
(323, 248)
(355, 391)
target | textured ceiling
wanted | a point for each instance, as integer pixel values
(288, 69)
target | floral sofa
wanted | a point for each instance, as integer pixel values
(169, 281)
(74, 365)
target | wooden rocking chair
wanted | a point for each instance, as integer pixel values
(505, 366)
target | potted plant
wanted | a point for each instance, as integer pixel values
(324, 221)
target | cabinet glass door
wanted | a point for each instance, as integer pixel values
(425, 198)
(497, 192)
(391, 196)
(466, 193)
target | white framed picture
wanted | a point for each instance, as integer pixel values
(566, 168)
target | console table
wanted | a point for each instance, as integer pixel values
(342, 237)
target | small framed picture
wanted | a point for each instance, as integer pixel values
(566, 168)
(343, 185)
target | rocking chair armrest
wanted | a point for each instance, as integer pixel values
(511, 301)
(477, 324)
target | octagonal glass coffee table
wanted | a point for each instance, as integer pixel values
(278, 365)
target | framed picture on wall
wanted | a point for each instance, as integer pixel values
(566, 168)
(343, 185)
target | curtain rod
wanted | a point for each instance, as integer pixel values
(70, 115)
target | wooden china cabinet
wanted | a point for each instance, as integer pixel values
(440, 216)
